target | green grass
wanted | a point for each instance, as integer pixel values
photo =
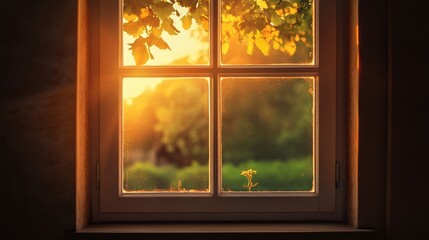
(293, 175)
(145, 176)
(277, 175)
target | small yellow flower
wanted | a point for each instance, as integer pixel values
(249, 175)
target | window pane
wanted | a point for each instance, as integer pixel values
(161, 33)
(267, 32)
(165, 135)
(267, 134)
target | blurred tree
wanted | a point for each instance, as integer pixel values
(262, 119)
(170, 123)
(266, 119)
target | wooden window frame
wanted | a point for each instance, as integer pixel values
(330, 209)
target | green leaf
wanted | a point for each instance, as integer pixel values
(168, 26)
(133, 28)
(163, 9)
(276, 20)
(140, 51)
(186, 22)
(291, 19)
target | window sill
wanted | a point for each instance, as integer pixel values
(224, 230)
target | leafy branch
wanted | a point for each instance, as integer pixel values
(146, 20)
(265, 25)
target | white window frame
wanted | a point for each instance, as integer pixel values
(107, 202)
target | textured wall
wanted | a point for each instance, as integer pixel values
(408, 170)
(37, 124)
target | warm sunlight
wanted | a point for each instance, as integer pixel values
(187, 47)
(165, 123)
(133, 87)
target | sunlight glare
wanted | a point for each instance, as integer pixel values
(133, 87)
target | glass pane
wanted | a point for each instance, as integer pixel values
(267, 134)
(159, 33)
(165, 135)
(267, 32)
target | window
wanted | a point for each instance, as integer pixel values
(218, 110)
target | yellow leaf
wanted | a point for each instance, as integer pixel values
(186, 22)
(262, 45)
(290, 47)
(144, 13)
(294, 8)
(226, 27)
(225, 47)
(262, 4)
(130, 17)
(250, 47)
(156, 32)
(133, 28)
(229, 18)
(168, 26)
(140, 51)
(162, 9)
(205, 23)
(297, 38)
(266, 32)
(276, 45)
(161, 44)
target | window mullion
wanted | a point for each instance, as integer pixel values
(215, 63)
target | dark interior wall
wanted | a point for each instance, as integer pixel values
(407, 194)
(37, 123)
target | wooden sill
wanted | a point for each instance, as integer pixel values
(224, 231)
